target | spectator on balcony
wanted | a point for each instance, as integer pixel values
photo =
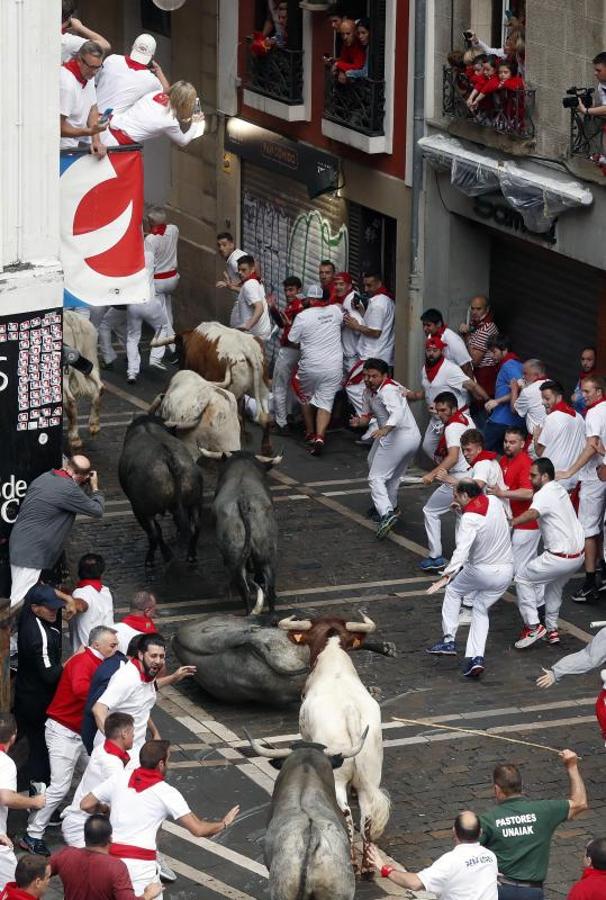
(514, 47)
(124, 79)
(487, 84)
(336, 14)
(352, 54)
(74, 33)
(79, 116)
(157, 114)
(363, 35)
(274, 32)
(599, 69)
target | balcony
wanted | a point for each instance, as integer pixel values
(506, 112)
(358, 107)
(586, 133)
(277, 75)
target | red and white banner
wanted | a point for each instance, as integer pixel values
(101, 228)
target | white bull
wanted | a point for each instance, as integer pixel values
(80, 334)
(204, 416)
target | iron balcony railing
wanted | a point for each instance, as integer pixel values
(509, 112)
(358, 105)
(586, 132)
(278, 75)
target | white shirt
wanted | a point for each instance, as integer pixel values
(120, 85)
(231, 264)
(101, 766)
(125, 635)
(164, 249)
(127, 693)
(136, 816)
(595, 426)
(468, 872)
(560, 528)
(452, 435)
(390, 407)
(483, 537)
(75, 102)
(563, 437)
(251, 292)
(349, 338)
(318, 331)
(100, 612)
(381, 315)
(151, 117)
(456, 349)
(449, 377)
(529, 405)
(488, 471)
(8, 782)
(70, 44)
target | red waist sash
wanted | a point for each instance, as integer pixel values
(127, 851)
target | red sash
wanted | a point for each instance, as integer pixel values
(121, 136)
(597, 403)
(127, 851)
(170, 274)
(355, 374)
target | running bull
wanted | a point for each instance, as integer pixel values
(307, 847)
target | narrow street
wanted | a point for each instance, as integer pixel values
(330, 562)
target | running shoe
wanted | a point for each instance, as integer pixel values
(432, 563)
(386, 524)
(585, 594)
(474, 667)
(167, 875)
(529, 636)
(132, 379)
(309, 437)
(443, 648)
(317, 446)
(553, 637)
(34, 845)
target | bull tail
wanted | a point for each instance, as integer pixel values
(180, 514)
(257, 384)
(226, 381)
(244, 510)
(379, 808)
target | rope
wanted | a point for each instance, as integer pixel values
(477, 732)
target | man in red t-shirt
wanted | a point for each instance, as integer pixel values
(516, 465)
(592, 885)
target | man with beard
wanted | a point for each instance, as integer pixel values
(588, 362)
(562, 437)
(133, 690)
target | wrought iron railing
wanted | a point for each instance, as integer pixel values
(278, 75)
(586, 134)
(509, 112)
(358, 105)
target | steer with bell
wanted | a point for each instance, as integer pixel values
(336, 707)
(307, 847)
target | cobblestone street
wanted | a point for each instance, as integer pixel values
(330, 561)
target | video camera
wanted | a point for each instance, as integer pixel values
(72, 357)
(574, 94)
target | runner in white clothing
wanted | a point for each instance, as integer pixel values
(395, 442)
(376, 335)
(152, 312)
(449, 459)
(140, 801)
(562, 437)
(230, 254)
(481, 567)
(125, 79)
(345, 294)
(92, 600)
(439, 374)
(157, 114)
(317, 331)
(250, 312)
(162, 240)
(456, 349)
(527, 399)
(109, 758)
(592, 499)
(563, 539)
(288, 355)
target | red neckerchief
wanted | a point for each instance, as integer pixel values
(386, 380)
(565, 408)
(142, 779)
(507, 358)
(442, 448)
(253, 277)
(440, 332)
(12, 892)
(113, 750)
(485, 454)
(432, 371)
(382, 290)
(92, 582)
(2, 748)
(589, 872)
(61, 473)
(478, 505)
(133, 64)
(162, 99)
(142, 674)
(157, 229)
(73, 67)
(140, 623)
(596, 403)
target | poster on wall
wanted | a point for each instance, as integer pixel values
(101, 228)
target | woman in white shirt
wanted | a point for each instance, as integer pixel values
(157, 114)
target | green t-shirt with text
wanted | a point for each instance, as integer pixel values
(519, 831)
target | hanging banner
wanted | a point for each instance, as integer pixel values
(101, 228)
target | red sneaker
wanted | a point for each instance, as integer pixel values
(553, 637)
(309, 437)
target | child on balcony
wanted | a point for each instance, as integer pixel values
(486, 85)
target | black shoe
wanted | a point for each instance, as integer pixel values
(583, 594)
(282, 430)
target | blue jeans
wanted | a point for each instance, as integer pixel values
(494, 433)
(519, 892)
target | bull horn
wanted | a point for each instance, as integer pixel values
(353, 751)
(272, 460)
(268, 752)
(367, 626)
(213, 454)
(292, 624)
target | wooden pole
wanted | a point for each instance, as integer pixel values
(7, 617)
(475, 731)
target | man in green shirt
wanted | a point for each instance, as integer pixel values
(519, 830)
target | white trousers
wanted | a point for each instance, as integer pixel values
(8, 864)
(388, 460)
(437, 506)
(113, 320)
(525, 546)
(72, 828)
(283, 394)
(97, 314)
(553, 572)
(151, 312)
(484, 585)
(432, 435)
(65, 751)
(22, 579)
(142, 872)
(165, 288)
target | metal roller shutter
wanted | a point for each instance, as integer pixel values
(546, 303)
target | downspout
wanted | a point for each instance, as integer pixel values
(418, 131)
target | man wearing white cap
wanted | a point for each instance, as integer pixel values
(124, 79)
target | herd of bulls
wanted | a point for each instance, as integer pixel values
(310, 835)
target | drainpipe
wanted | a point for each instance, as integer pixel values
(416, 268)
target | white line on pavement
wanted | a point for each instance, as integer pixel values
(208, 881)
(217, 849)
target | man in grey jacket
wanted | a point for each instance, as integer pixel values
(590, 657)
(45, 520)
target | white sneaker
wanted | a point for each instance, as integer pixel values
(158, 365)
(465, 615)
(166, 873)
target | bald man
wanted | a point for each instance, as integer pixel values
(45, 520)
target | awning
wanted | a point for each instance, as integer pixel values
(539, 199)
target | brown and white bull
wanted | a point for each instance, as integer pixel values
(230, 359)
(336, 709)
(81, 335)
(203, 416)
